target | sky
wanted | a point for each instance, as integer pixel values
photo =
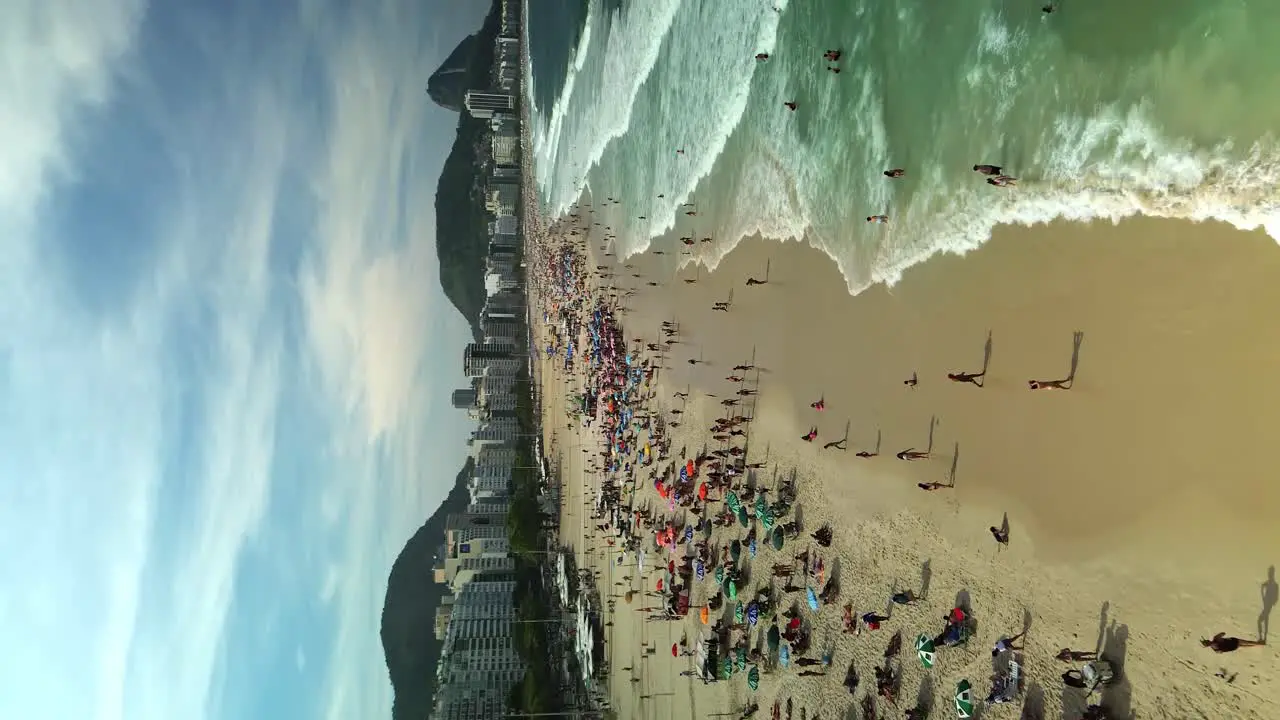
(225, 359)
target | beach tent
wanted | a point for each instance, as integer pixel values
(925, 651)
(964, 699)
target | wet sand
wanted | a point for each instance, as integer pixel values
(1141, 503)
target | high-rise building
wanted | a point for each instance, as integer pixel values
(484, 104)
(464, 398)
(501, 356)
(478, 661)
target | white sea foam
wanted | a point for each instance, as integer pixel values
(547, 137)
(720, 119)
(627, 57)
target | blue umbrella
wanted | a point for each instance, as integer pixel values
(688, 533)
(700, 569)
(752, 547)
(753, 613)
(813, 599)
(784, 656)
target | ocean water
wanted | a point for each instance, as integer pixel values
(1101, 110)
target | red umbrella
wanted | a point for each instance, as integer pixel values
(675, 650)
(671, 566)
(702, 491)
(659, 584)
(689, 469)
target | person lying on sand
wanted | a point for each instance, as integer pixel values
(1069, 655)
(1050, 384)
(1222, 643)
(912, 382)
(809, 436)
(931, 486)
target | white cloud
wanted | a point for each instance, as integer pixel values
(138, 442)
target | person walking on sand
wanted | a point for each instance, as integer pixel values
(809, 436)
(837, 444)
(913, 381)
(912, 454)
(1006, 644)
(878, 219)
(1222, 643)
(820, 404)
(964, 377)
(752, 281)
(1001, 536)
(895, 173)
(865, 454)
(931, 486)
(1050, 384)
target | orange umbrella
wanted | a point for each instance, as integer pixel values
(702, 491)
(703, 615)
(689, 469)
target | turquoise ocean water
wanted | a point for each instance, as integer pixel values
(1101, 109)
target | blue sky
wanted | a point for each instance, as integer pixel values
(225, 359)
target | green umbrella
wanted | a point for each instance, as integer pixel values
(777, 539)
(720, 575)
(767, 520)
(964, 699)
(735, 550)
(924, 650)
(742, 517)
(726, 668)
(753, 679)
(732, 501)
(742, 658)
(773, 638)
(733, 590)
(737, 613)
(761, 506)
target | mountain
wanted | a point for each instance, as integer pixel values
(409, 610)
(462, 234)
(447, 86)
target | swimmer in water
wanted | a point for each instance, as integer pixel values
(762, 56)
(878, 219)
(988, 169)
(1003, 181)
(895, 173)
(791, 106)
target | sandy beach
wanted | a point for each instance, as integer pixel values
(1139, 502)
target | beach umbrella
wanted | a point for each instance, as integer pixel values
(689, 468)
(964, 699)
(688, 533)
(732, 501)
(675, 649)
(812, 598)
(719, 575)
(751, 547)
(742, 658)
(773, 637)
(726, 668)
(702, 491)
(659, 584)
(733, 590)
(704, 614)
(768, 520)
(735, 550)
(743, 519)
(753, 679)
(784, 656)
(737, 613)
(777, 539)
(924, 651)
(753, 614)
(761, 506)
(630, 594)
(699, 568)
